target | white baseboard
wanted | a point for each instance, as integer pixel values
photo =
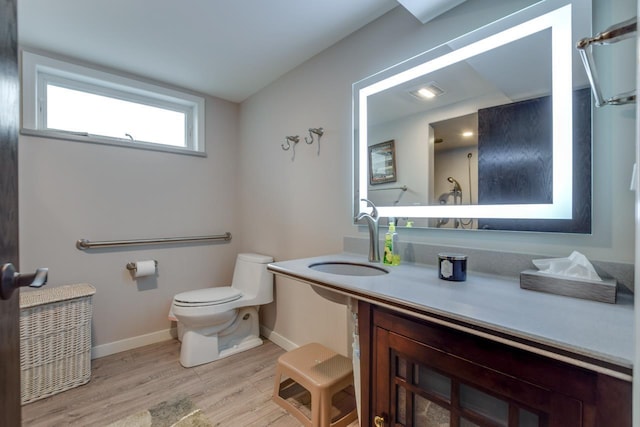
(277, 339)
(131, 343)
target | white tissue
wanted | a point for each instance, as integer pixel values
(577, 266)
(145, 268)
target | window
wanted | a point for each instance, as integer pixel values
(67, 101)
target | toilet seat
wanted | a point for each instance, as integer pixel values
(206, 297)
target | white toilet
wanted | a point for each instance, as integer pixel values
(217, 322)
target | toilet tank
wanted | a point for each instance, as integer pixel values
(251, 277)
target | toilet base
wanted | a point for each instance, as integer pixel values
(247, 344)
(200, 346)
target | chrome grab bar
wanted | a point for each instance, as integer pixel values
(83, 244)
(613, 34)
(403, 188)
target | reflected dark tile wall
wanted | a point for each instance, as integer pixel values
(515, 161)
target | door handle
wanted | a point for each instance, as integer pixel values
(378, 421)
(10, 280)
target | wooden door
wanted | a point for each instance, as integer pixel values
(9, 118)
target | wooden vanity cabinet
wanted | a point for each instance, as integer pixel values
(419, 373)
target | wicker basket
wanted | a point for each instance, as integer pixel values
(55, 340)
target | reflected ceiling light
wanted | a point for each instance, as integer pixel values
(427, 91)
(467, 134)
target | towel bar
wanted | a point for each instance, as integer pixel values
(83, 244)
(613, 34)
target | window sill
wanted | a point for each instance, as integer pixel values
(83, 137)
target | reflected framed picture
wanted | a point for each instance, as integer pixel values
(382, 163)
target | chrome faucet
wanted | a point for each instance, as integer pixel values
(372, 222)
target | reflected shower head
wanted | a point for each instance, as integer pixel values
(456, 184)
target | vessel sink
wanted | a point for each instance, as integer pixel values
(348, 268)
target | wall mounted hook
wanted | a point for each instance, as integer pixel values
(287, 140)
(316, 131)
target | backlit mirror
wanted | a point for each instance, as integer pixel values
(491, 130)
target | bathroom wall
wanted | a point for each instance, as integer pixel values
(72, 190)
(303, 208)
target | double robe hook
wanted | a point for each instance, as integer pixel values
(291, 141)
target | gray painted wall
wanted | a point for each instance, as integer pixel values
(72, 190)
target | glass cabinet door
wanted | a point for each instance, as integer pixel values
(426, 397)
(430, 388)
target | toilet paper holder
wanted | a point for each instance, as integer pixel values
(131, 266)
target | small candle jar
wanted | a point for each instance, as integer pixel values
(452, 267)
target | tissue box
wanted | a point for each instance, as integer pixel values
(604, 291)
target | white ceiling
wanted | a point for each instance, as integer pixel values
(225, 48)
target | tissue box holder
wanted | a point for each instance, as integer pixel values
(604, 291)
(55, 340)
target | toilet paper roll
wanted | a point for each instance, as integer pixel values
(145, 268)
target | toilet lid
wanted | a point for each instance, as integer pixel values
(208, 296)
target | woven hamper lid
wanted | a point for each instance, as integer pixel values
(55, 294)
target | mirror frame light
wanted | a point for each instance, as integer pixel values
(559, 22)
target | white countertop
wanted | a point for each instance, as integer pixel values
(573, 328)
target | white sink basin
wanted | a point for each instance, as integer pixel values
(348, 268)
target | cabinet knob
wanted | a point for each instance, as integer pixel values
(378, 421)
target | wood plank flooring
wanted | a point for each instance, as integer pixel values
(235, 391)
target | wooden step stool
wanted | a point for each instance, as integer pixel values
(323, 373)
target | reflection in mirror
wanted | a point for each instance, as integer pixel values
(483, 129)
(455, 169)
(382, 163)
